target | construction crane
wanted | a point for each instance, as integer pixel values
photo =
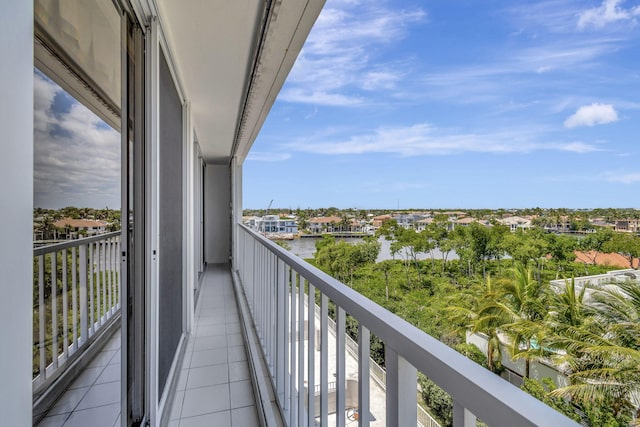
(269, 207)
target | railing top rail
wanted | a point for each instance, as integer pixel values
(489, 397)
(42, 250)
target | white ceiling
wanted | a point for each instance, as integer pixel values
(213, 44)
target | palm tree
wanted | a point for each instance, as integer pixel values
(605, 358)
(522, 301)
(568, 315)
(479, 314)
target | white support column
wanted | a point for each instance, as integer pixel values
(152, 221)
(189, 215)
(402, 381)
(236, 209)
(16, 251)
(462, 417)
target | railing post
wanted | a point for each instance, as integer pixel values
(54, 310)
(286, 353)
(363, 375)
(340, 367)
(402, 381)
(301, 418)
(462, 417)
(90, 247)
(105, 283)
(281, 346)
(84, 332)
(311, 353)
(42, 314)
(74, 295)
(324, 360)
(293, 413)
(107, 266)
(65, 305)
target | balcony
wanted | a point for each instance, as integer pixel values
(279, 290)
(76, 311)
(247, 360)
(213, 384)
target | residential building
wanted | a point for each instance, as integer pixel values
(69, 228)
(464, 222)
(324, 224)
(627, 225)
(422, 224)
(210, 317)
(407, 220)
(516, 223)
(377, 221)
(273, 224)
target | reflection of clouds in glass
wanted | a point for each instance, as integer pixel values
(76, 155)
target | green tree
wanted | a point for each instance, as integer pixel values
(523, 303)
(605, 358)
(595, 243)
(562, 250)
(385, 267)
(626, 244)
(480, 313)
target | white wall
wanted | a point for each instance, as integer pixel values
(16, 195)
(217, 214)
(538, 370)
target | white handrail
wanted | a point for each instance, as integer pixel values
(476, 392)
(87, 273)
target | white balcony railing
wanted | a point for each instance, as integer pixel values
(279, 288)
(76, 293)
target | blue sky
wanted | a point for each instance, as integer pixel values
(447, 104)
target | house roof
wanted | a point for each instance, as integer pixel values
(381, 217)
(325, 220)
(514, 220)
(79, 223)
(613, 259)
(467, 220)
(426, 221)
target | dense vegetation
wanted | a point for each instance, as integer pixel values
(499, 286)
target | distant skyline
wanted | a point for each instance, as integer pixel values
(457, 105)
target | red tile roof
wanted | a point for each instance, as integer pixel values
(605, 259)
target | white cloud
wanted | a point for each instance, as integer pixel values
(338, 64)
(76, 155)
(624, 178)
(608, 12)
(268, 157)
(423, 139)
(578, 147)
(591, 115)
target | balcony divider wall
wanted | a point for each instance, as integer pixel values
(16, 265)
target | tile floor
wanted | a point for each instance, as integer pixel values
(214, 387)
(94, 397)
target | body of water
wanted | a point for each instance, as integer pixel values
(305, 248)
